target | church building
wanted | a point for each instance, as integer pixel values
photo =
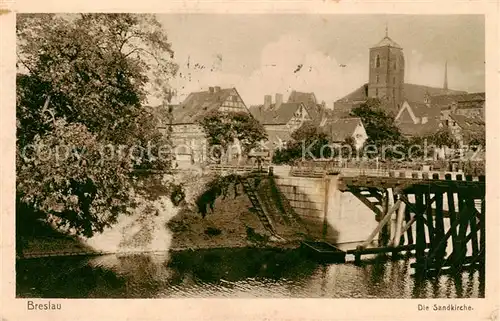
(386, 81)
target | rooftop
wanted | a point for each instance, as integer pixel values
(387, 42)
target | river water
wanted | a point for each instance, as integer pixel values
(235, 272)
(246, 273)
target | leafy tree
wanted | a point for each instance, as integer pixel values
(379, 124)
(478, 138)
(225, 128)
(82, 81)
(308, 141)
(443, 137)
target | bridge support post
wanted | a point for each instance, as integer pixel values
(385, 232)
(420, 241)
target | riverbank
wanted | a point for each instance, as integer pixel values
(231, 225)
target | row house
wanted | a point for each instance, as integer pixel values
(463, 114)
(188, 137)
(469, 104)
(465, 129)
(339, 130)
(280, 119)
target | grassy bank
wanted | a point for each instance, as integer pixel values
(232, 224)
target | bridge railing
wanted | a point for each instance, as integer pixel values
(237, 168)
(315, 171)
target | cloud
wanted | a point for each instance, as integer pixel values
(295, 63)
(290, 63)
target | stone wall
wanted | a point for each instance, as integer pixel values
(317, 199)
(307, 197)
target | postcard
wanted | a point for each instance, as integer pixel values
(284, 160)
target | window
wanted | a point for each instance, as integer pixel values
(393, 92)
(378, 78)
(395, 66)
(376, 92)
(377, 61)
(393, 80)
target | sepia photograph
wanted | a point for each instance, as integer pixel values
(250, 156)
(289, 161)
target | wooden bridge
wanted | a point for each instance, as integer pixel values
(463, 222)
(440, 216)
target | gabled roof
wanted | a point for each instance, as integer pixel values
(198, 104)
(310, 103)
(432, 126)
(340, 129)
(419, 110)
(445, 101)
(411, 92)
(387, 41)
(418, 93)
(473, 100)
(472, 97)
(302, 97)
(424, 110)
(468, 123)
(273, 115)
(359, 94)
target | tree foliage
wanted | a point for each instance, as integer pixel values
(226, 128)
(308, 141)
(81, 85)
(443, 137)
(379, 124)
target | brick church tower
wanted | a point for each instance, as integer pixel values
(387, 70)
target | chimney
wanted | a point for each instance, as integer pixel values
(279, 100)
(267, 101)
(217, 89)
(211, 90)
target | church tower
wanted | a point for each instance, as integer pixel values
(386, 76)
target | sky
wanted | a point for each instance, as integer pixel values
(260, 54)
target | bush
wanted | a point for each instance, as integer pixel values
(212, 231)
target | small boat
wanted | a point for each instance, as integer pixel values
(323, 252)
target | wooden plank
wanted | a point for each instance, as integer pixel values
(429, 217)
(461, 251)
(408, 227)
(452, 213)
(439, 230)
(384, 221)
(419, 213)
(385, 249)
(472, 221)
(444, 240)
(365, 201)
(482, 233)
(399, 222)
(384, 234)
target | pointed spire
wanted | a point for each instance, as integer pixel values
(445, 86)
(386, 30)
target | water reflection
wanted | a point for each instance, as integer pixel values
(233, 273)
